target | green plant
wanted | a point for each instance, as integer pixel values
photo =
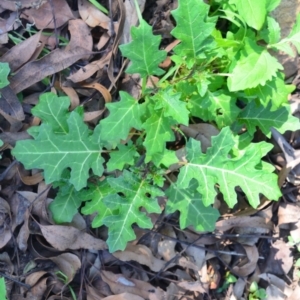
(3, 295)
(224, 76)
(4, 71)
(64, 278)
(229, 279)
(256, 293)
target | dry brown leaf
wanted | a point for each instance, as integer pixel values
(142, 255)
(24, 233)
(247, 221)
(244, 269)
(288, 213)
(80, 36)
(91, 15)
(43, 16)
(38, 289)
(10, 104)
(52, 63)
(124, 296)
(166, 247)
(68, 264)
(101, 89)
(194, 286)
(33, 179)
(280, 259)
(277, 288)
(89, 116)
(90, 69)
(21, 53)
(92, 293)
(119, 284)
(71, 93)
(67, 237)
(5, 215)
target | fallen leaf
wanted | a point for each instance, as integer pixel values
(67, 237)
(68, 264)
(142, 255)
(91, 15)
(43, 16)
(80, 36)
(21, 53)
(52, 63)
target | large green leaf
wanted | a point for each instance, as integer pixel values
(252, 11)
(143, 51)
(55, 152)
(193, 28)
(254, 67)
(138, 193)
(217, 167)
(53, 110)
(192, 211)
(258, 116)
(124, 115)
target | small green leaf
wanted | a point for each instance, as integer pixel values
(138, 193)
(292, 38)
(4, 71)
(272, 4)
(258, 116)
(96, 193)
(193, 28)
(173, 106)
(275, 90)
(217, 167)
(3, 294)
(192, 211)
(143, 51)
(272, 34)
(252, 11)
(1, 144)
(66, 203)
(158, 132)
(124, 155)
(54, 153)
(124, 115)
(217, 106)
(53, 110)
(255, 67)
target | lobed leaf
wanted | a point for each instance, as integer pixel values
(193, 28)
(264, 118)
(123, 156)
(55, 152)
(53, 110)
(124, 115)
(217, 167)
(255, 67)
(138, 193)
(190, 205)
(143, 51)
(96, 194)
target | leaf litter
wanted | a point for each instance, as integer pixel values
(73, 49)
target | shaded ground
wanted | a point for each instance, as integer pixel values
(41, 260)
